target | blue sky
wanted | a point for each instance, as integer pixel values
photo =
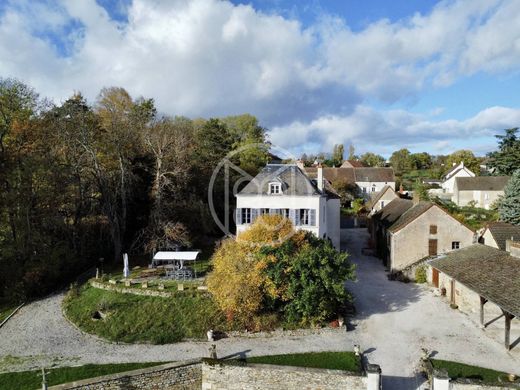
(432, 76)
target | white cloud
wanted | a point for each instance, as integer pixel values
(210, 57)
(387, 131)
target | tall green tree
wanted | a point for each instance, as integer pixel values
(506, 159)
(509, 204)
(465, 156)
(372, 160)
(337, 154)
(401, 161)
(421, 160)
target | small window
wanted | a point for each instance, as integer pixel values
(382, 203)
(364, 190)
(246, 215)
(455, 244)
(433, 229)
(305, 218)
(275, 188)
(264, 211)
(374, 188)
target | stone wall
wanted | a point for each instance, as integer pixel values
(186, 375)
(475, 386)
(218, 376)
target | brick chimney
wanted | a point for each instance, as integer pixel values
(319, 179)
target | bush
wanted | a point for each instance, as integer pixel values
(420, 274)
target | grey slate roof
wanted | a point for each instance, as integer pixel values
(410, 215)
(389, 214)
(502, 231)
(293, 180)
(481, 183)
(490, 272)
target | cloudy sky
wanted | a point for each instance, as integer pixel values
(429, 75)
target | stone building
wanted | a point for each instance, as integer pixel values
(478, 275)
(407, 232)
(483, 191)
(495, 234)
(381, 199)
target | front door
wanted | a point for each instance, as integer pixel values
(435, 277)
(432, 247)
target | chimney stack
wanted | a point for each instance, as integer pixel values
(320, 177)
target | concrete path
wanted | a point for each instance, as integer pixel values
(394, 321)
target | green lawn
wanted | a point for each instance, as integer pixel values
(32, 379)
(330, 360)
(464, 371)
(5, 311)
(131, 318)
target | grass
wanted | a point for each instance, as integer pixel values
(32, 379)
(464, 371)
(131, 318)
(5, 311)
(346, 361)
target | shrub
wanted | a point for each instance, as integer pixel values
(420, 274)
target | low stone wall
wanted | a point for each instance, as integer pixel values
(130, 290)
(235, 376)
(186, 375)
(475, 386)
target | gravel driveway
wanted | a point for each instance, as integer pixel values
(394, 321)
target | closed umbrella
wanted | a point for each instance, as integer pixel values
(126, 270)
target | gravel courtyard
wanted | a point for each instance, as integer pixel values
(394, 321)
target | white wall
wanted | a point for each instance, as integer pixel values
(483, 199)
(379, 185)
(324, 210)
(449, 184)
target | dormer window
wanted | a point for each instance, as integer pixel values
(275, 188)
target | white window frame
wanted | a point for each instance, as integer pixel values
(275, 188)
(305, 217)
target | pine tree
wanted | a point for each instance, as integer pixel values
(509, 206)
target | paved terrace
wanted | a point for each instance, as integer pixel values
(394, 321)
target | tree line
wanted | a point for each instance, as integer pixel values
(82, 181)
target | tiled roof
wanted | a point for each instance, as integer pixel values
(352, 164)
(411, 214)
(490, 272)
(375, 174)
(481, 183)
(381, 193)
(389, 214)
(333, 174)
(502, 231)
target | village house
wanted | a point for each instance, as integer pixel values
(364, 181)
(381, 199)
(482, 191)
(448, 180)
(495, 234)
(407, 232)
(286, 190)
(478, 275)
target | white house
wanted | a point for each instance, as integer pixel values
(381, 199)
(285, 189)
(449, 178)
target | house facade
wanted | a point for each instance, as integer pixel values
(406, 232)
(483, 191)
(448, 180)
(381, 199)
(284, 189)
(365, 181)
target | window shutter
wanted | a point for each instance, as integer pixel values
(292, 216)
(297, 217)
(254, 213)
(238, 216)
(312, 217)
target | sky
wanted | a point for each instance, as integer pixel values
(434, 76)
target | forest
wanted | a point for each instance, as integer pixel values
(82, 181)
